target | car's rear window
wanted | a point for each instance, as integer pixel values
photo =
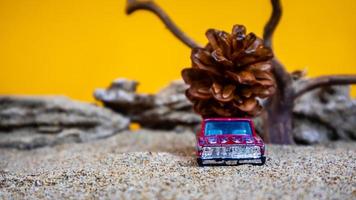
(227, 127)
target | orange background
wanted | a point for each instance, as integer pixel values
(71, 47)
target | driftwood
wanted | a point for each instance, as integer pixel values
(278, 115)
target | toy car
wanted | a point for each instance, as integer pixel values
(229, 141)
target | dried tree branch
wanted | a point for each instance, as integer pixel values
(272, 23)
(133, 5)
(321, 81)
(268, 31)
(283, 78)
(278, 121)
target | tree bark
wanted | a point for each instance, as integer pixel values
(278, 122)
(278, 119)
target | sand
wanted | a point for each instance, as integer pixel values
(160, 165)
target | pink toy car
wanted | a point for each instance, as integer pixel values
(229, 141)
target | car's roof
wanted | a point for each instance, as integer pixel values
(227, 119)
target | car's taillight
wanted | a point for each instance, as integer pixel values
(236, 140)
(224, 140)
(249, 140)
(201, 141)
(212, 140)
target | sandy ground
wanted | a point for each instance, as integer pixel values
(158, 165)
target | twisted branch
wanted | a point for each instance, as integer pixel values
(133, 5)
(283, 78)
(268, 31)
(272, 23)
(321, 81)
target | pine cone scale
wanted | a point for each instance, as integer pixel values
(260, 66)
(247, 105)
(211, 35)
(203, 60)
(219, 58)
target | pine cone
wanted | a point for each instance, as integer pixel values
(229, 74)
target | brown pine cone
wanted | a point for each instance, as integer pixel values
(229, 74)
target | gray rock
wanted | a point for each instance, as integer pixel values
(174, 96)
(121, 96)
(172, 109)
(30, 122)
(307, 132)
(165, 118)
(124, 84)
(329, 111)
(169, 109)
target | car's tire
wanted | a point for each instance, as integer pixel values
(200, 162)
(263, 161)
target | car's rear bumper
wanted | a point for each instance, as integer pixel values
(232, 161)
